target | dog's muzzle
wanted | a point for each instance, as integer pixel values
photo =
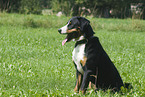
(59, 30)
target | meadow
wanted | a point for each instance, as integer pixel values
(33, 63)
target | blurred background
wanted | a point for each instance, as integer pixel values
(95, 8)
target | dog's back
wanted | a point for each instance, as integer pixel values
(100, 63)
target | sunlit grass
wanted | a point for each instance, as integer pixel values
(33, 62)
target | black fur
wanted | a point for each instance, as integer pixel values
(85, 27)
(98, 63)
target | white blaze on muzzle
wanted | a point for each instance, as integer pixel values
(64, 29)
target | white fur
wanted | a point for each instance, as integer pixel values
(64, 29)
(78, 55)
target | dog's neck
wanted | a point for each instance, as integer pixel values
(81, 40)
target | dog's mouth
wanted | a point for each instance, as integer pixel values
(69, 37)
(66, 39)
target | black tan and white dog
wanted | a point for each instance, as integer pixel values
(92, 63)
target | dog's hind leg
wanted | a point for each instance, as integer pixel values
(93, 80)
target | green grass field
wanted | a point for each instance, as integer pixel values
(33, 63)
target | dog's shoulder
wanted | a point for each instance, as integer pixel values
(93, 48)
(93, 40)
(93, 43)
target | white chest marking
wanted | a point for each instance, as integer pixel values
(78, 55)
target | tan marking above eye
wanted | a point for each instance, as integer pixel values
(69, 23)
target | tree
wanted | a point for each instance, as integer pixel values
(9, 5)
(62, 5)
(30, 6)
(97, 8)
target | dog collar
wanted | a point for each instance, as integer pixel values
(81, 42)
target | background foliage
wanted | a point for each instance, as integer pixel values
(97, 8)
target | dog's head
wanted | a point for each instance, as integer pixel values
(75, 28)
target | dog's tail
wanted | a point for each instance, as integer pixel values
(126, 88)
(128, 85)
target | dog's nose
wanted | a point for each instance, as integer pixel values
(59, 30)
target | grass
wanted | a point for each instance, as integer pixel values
(33, 62)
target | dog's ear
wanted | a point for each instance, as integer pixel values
(85, 27)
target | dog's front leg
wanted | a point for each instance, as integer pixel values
(78, 82)
(85, 81)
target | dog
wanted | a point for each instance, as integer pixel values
(93, 65)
